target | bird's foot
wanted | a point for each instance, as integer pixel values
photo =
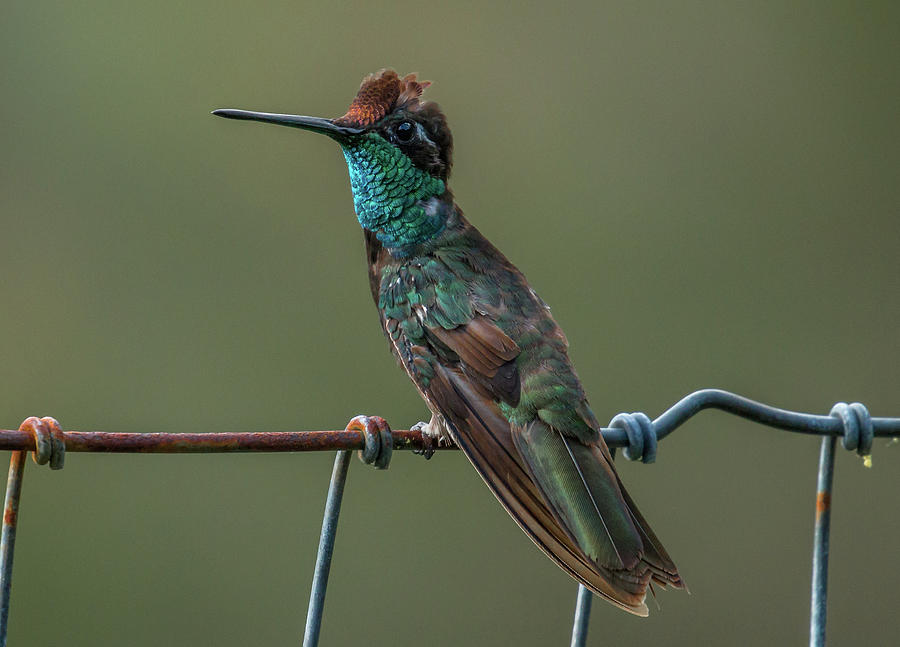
(433, 436)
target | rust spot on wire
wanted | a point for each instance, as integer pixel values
(823, 503)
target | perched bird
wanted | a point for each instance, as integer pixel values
(481, 346)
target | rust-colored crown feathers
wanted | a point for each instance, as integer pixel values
(380, 94)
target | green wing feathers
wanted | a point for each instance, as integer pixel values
(485, 436)
(582, 488)
(583, 492)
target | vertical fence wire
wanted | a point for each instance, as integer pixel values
(582, 616)
(8, 536)
(326, 549)
(819, 597)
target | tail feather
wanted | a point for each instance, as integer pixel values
(487, 439)
(663, 569)
(584, 494)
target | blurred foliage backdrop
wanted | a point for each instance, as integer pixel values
(706, 193)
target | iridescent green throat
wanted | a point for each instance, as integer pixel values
(393, 198)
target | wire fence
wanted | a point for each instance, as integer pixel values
(375, 441)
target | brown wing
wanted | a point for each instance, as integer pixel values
(484, 435)
(486, 354)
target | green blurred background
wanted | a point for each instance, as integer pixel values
(707, 194)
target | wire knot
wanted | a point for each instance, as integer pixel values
(49, 441)
(858, 431)
(642, 439)
(378, 439)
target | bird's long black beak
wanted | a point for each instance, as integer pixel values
(315, 124)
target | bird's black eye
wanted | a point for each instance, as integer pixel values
(405, 132)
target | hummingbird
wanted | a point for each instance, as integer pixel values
(481, 346)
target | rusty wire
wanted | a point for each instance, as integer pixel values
(193, 443)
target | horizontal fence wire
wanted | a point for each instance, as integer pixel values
(635, 432)
(619, 434)
(213, 442)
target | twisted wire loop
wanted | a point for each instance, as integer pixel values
(858, 429)
(49, 441)
(642, 440)
(378, 439)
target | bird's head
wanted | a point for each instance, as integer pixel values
(398, 151)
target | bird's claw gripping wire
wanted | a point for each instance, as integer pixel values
(429, 440)
(49, 441)
(378, 439)
(432, 437)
